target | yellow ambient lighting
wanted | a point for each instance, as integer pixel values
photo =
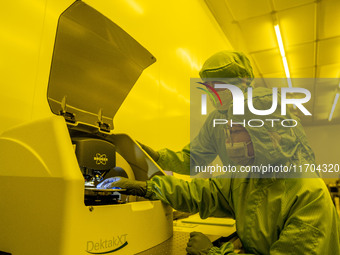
(283, 54)
(184, 54)
(285, 65)
(333, 107)
(279, 40)
(135, 6)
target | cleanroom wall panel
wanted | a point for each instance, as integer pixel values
(321, 137)
(20, 40)
(181, 35)
(27, 39)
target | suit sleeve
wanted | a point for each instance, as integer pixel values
(209, 197)
(200, 152)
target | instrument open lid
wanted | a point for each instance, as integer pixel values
(94, 66)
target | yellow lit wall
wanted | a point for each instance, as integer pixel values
(20, 41)
(27, 36)
(181, 35)
(321, 137)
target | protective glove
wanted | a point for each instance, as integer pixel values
(198, 244)
(152, 153)
(135, 188)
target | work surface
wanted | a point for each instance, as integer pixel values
(214, 228)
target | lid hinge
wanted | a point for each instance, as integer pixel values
(102, 125)
(69, 116)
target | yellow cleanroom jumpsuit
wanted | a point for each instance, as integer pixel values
(274, 215)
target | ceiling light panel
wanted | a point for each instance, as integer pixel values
(269, 61)
(329, 71)
(301, 56)
(259, 33)
(329, 18)
(335, 102)
(329, 51)
(302, 73)
(297, 25)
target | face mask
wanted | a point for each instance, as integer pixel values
(226, 99)
(239, 154)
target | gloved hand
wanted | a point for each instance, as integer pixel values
(152, 153)
(135, 188)
(198, 244)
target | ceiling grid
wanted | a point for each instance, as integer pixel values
(311, 36)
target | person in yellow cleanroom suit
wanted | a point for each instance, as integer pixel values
(275, 214)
